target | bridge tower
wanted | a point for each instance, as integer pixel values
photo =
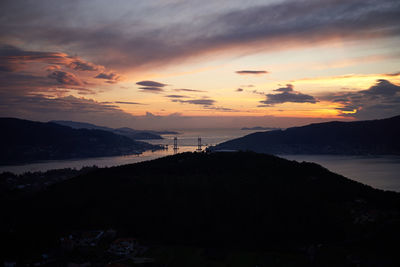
(175, 145)
(199, 145)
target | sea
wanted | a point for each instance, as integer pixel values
(382, 172)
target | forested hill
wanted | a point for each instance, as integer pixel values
(242, 199)
(125, 131)
(376, 137)
(24, 141)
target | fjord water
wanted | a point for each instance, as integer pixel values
(187, 141)
(381, 172)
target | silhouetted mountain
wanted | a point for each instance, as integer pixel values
(244, 200)
(126, 129)
(26, 141)
(259, 128)
(356, 138)
(129, 132)
(82, 125)
(135, 134)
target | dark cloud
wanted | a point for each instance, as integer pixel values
(26, 71)
(52, 68)
(151, 84)
(206, 103)
(111, 76)
(151, 115)
(81, 90)
(82, 65)
(17, 82)
(202, 102)
(239, 90)
(393, 74)
(254, 72)
(189, 90)
(128, 103)
(13, 53)
(287, 95)
(14, 58)
(382, 88)
(7, 67)
(65, 78)
(380, 100)
(221, 109)
(288, 88)
(347, 108)
(67, 108)
(257, 92)
(270, 25)
(176, 96)
(151, 89)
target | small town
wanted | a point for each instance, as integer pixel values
(90, 248)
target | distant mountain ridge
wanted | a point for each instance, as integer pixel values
(24, 141)
(81, 125)
(260, 128)
(375, 137)
(125, 131)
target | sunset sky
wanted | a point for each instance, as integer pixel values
(194, 64)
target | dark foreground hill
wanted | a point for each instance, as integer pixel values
(377, 137)
(25, 141)
(237, 200)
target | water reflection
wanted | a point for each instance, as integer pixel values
(381, 172)
(100, 161)
(186, 141)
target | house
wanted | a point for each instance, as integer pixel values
(90, 238)
(81, 239)
(123, 246)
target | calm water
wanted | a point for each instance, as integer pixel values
(379, 172)
(187, 141)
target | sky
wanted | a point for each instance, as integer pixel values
(177, 64)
